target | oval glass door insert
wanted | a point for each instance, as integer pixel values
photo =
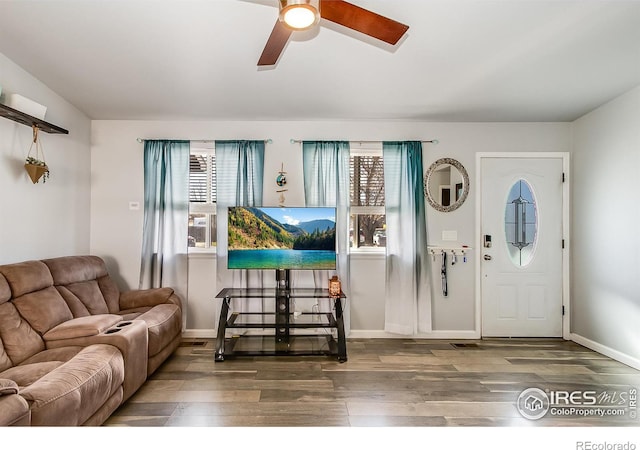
(521, 223)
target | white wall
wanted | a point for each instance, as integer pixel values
(43, 220)
(117, 180)
(606, 228)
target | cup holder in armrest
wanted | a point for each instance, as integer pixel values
(123, 324)
(112, 330)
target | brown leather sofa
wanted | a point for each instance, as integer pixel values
(72, 346)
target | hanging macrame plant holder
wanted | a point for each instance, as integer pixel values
(35, 165)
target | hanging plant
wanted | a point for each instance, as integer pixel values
(36, 169)
(36, 166)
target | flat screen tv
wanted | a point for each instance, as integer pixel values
(282, 238)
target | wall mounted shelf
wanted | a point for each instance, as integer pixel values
(448, 248)
(453, 250)
(30, 121)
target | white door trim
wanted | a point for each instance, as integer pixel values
(566, 319)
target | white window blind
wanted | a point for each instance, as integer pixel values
(202, 178)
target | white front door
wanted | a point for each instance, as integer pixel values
(521, 254)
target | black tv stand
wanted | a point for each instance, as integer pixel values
(284, 332)
(282, 278)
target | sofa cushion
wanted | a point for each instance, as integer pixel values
(72, 269)
(5, 361)
(62, 354)
(70, 394)
(40, 364)
(26, 277)
(19, 340)
(5, 290)
(87, 292)
(111, 293)
(27, 374)
(73, 272)
(43, 309)
(77, 308)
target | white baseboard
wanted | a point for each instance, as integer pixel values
(439, 334)
(607, 351)
(362, 334)
(200, 333)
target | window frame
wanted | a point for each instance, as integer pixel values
(365, 149)
(208, 207)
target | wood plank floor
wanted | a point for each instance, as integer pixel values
(384, 383)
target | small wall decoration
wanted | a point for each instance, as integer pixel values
(35, 165)
(281, 180)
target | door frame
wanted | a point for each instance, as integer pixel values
(566, 253)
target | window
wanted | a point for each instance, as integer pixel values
(366, 172)
(521, 223)
(202, 198)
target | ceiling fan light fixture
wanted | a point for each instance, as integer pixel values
(300, 14)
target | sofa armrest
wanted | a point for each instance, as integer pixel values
(8, 387)
(82, 327)
(14, 410)
(128, 336)
(146, 297)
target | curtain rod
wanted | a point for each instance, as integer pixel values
(200, 141)
(299, 141)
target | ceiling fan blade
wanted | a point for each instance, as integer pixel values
(276, 43)
(362, 20)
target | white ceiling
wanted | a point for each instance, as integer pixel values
(462, 60)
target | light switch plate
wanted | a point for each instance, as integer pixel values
(449, 235)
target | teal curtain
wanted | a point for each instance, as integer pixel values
(326, 183)
(239, 180)
(164, 261)
(408, 296)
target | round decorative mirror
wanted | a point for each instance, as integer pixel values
(446, 184)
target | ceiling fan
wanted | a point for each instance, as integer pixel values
(296, 15)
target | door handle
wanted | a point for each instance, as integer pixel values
(487, 257)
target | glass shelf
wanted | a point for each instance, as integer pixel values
(297, 345)
(268, 320)
(273, 292)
